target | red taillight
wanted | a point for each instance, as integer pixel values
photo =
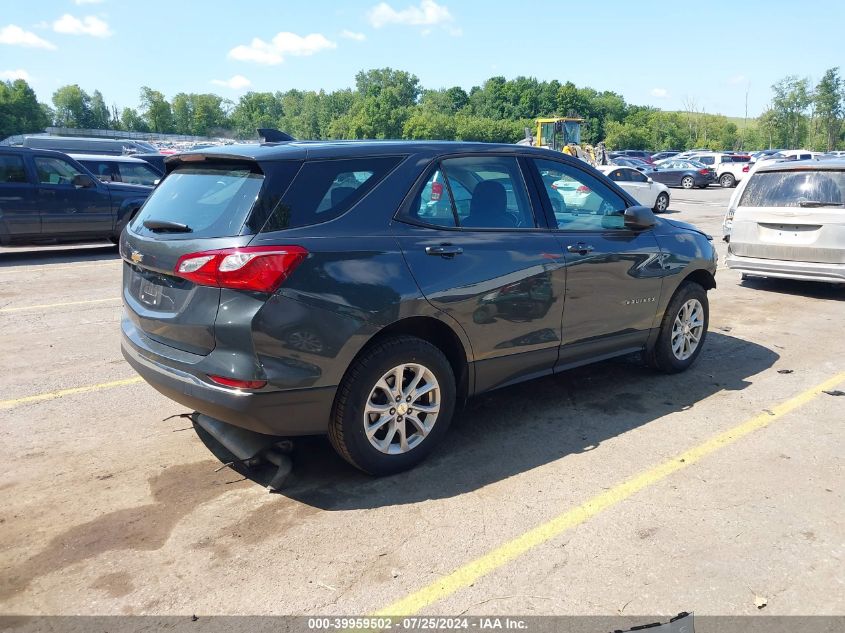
(259, 268)
(746, 169)
(237, 384)
(583, 189)
(436, 190)
(704, 171)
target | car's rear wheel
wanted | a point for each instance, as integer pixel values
(687, 182)
(662, 202)
(393, 406)
(682, 331)
(727, 180)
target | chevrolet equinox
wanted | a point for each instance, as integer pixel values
(364, 289)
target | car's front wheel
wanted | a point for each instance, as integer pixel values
(682, 331)
(688, 182)
(662, 202)
(393, 406)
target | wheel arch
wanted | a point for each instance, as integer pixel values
(439, 334)
(702, 277)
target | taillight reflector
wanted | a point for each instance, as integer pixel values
(746, 169)
(704, 171)
(237, 384)
(583, 189)
(258, 268)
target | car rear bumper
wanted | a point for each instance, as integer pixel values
(286, 412)
(808, 271)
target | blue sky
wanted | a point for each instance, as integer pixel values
(656, 53)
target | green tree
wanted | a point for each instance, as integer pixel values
(156, 110)
(255, 110)
(131, 121)
(789, 103)
(425, 124)
(829, 102)
(20, 111)
(73, 107)
(100, 117)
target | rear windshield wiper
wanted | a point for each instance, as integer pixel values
(819, 203)
(166, 226)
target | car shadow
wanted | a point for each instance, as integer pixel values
(57, 254)
(795, 287)
(516, 429)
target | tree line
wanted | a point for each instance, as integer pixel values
(388, 103)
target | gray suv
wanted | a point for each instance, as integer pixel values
(365, 289)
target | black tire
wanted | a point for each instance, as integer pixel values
(660, 356)
(661, 204)
(687, 182)
(346, 427)
(727, 180)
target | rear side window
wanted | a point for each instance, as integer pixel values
(11, 169)
(325, 189)
(214, 201)
(795, 189)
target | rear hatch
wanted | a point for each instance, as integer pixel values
(205, 203)
(792, 215)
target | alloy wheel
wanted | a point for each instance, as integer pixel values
(402, 408)
(687, 329)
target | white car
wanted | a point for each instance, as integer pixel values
(645, 191)
(787, 219)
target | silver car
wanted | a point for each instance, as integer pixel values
(788, 220)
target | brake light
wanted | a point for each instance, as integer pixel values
(436, 190)
(237, 384)
(258, 268)
(704, 171)
(583, 189)
(746, 169)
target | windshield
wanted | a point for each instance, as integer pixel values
(794, 189)
(212, 201)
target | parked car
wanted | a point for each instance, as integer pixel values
(674, 172)
(426, 309)
(119, 169)
(711, 159)
(636, 163)
(789, 221)
(156, 160)
(666, 154)
(643, 155)
(46, 195)
(85, 145)
(641, 186)
(732, 169)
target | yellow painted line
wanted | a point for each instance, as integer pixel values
(45, 306)
(471, 572)
(9, 404)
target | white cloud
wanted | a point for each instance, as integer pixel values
(238, 82)
(352, 35)
(428, 13)
(16, 36)
(11, 75)
(660, 93)
(284, 43)
(89, 25)
(80, 2)
(737, 79)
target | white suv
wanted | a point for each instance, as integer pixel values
(787, 220)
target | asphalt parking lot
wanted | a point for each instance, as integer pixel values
(605, 490)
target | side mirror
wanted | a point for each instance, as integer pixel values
(639, 218)
(81, 181)
(649, 180)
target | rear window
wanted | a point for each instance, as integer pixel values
(325, 189)
(212, 201)
(795, 189)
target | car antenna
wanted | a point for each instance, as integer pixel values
(272, 135)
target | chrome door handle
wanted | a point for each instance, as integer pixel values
(444, 250)
(580, 248)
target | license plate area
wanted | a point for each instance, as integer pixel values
(149, 292)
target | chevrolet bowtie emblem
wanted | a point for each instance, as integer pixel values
(136, 257)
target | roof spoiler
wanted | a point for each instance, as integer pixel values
(272, 135)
